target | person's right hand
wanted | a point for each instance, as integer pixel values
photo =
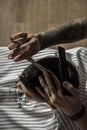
(30, 46)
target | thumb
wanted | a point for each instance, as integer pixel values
(69, 87)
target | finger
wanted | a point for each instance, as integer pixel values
(31, 93)
(26, 50)
(45, 97)
(20, 50)
(18, 35)
(44, 86)
(12, 46)
(58, 99)
(15, 55)
(50, 82)
(22, 56)
(20, 40)
(26, 47)
(56, 81)
(19, 84)
(70, 88)
(19, 58)
(60, 94)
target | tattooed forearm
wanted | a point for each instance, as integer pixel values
(71, 32)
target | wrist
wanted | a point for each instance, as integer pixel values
(48, 38)
(40, 37)
(78, 115)
(82, 122)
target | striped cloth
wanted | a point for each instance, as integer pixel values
(16, 113)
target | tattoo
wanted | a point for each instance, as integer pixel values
(70, 32)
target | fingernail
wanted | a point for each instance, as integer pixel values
(40, 77)
(65, 83)
(9, 57)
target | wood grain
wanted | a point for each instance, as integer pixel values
(36, 15)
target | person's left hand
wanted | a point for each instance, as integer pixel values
(70, 105)
(30, 92)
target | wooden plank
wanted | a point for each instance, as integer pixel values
(77, 9)
(57, 12)
(36, 15)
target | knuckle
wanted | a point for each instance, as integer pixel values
(15, 59)
(53, 99)
(25, 48)
(70, 87)
(29, 35)
(35, 39)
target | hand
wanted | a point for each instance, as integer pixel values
(33, 95)
(30, 46)
(70, 105)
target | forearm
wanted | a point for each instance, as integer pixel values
(67, 33)
(82, 123)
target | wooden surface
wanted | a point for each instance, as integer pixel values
(36, 15)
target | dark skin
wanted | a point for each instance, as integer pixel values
(67, 33)
(53, 96)
(69, 105)
(31, 45)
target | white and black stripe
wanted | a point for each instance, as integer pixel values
(15, 114)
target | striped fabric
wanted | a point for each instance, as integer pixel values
(19, 113)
